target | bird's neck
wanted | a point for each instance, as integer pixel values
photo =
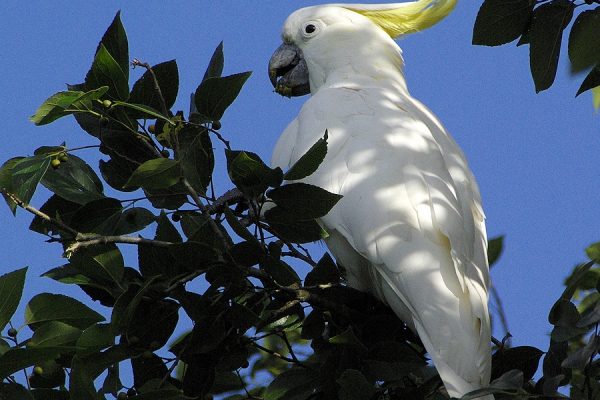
(378, 64)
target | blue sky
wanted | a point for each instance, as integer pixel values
(535, 156)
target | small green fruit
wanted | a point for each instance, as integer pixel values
(165, 153)
(151, 128)
(38, 370)
(12, 332)
(176, 217)
(63, 157)
(122, 396)
(216, 125)
(106, 103)
(55, 163)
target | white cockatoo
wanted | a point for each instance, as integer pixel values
(410, 228)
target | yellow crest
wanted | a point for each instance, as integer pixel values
(400, 18)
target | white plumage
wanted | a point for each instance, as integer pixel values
(410, 227)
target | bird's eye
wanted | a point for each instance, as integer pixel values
(310, 28)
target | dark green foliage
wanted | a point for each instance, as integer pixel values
(260, 330)
(501, 21)
(547, 26)
(541, 24)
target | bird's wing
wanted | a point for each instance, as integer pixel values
(411, 209)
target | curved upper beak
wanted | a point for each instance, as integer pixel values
(287, 64)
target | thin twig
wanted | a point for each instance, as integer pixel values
(276, 354)
(220, 137)
(289, 347)
(83, 240)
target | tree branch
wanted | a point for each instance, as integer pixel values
(276, 354)
(83, 240)
(40, 214)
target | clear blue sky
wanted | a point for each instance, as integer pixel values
(535, 156)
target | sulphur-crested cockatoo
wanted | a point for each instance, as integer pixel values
(410, 227)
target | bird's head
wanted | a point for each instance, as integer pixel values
(320, 39)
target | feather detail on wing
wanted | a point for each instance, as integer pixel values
(409, 228)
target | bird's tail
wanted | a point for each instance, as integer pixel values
(398, 19)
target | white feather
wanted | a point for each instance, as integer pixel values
(410, 227)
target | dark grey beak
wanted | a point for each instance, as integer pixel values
(288, 63)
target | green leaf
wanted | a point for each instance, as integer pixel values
(95, 338)
(237, 226)
(576, 279)
(348, 338)
(584, 355)
(591, 81)
(584, 46)
(153, 322)
(216, 94)
(501, 21)
(162, 394)
(171, 198)
(14, 391)
(326, 272)
(156, 261)
(66, 103)
(147, 368)
(250, 174)
(547, 26)
(281, 272)
(54, 333)
(563, 313)
(354, 386)
(293, 384)
(215, 66)
(46, 307)
(17, 359)
(292, 230)
(593, 251)
(100, 263)
(523, 358)
(144, 111)
(115, 41)
(144, 91)
(495, 247)
(74, 180)
(53, 375)
(127, 304)
(11, 290)
(106, 71)
(26, 174)
(58, 208)
(133, 220)
(196, 157)
(81, 382)
(304, 201)
(98, 216)
(6, 183)
(309, 162)
(159, 173)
